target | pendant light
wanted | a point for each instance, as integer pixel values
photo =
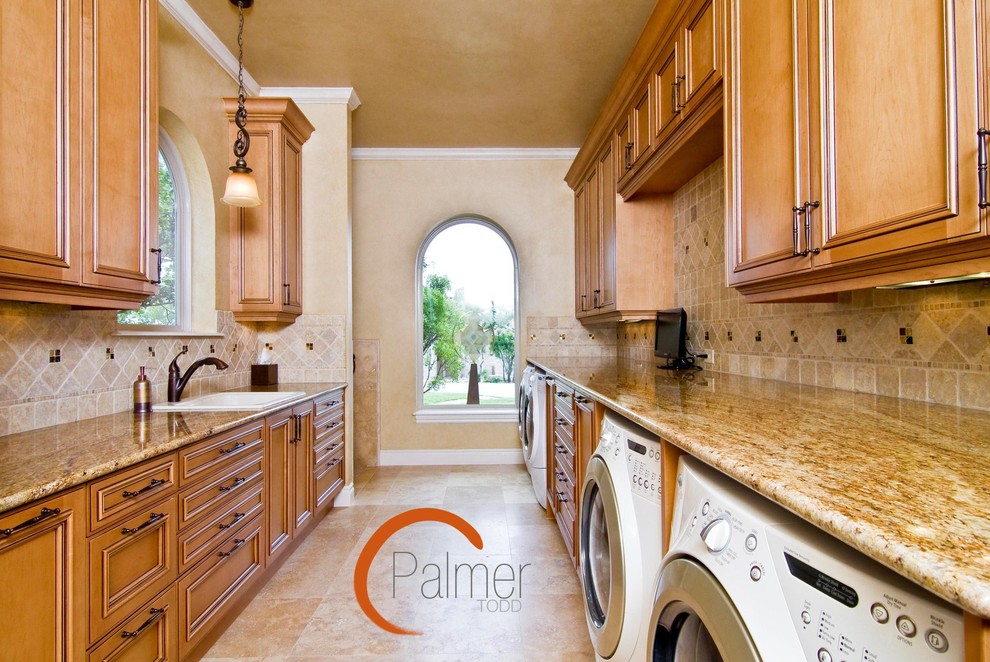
(241, 190)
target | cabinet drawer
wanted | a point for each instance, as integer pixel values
(564, 492)
(565, 522)
(327, 447)
(330, 404)
(221, 488)
(208, 591)
(327, 427)
(564, 455)
(126, 492)
(329, 476)
(218, 452)
(130, 564)
(563, 427)
(206, 533)
(151, 635)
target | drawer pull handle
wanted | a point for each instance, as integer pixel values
(156, 482)
(155, 615)
(561, 498)
(158, 253)
(154, 517)
(237, 518)
(564, 394)
(335, 462)
(237, 545)
(331, 426)
(581, 399)
(560, 448)
(331, 403)
(981, 166)
(239, 445)
(560, 475)
(45, 514)
(227, 488)
(561, 421)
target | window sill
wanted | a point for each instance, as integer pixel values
(467, 414)
(119, 333)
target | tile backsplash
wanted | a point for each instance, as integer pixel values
(59, 365)
(929, 344)
(565, 337)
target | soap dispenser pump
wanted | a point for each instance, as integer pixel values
(142, 393)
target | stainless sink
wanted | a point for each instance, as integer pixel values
(230, 401)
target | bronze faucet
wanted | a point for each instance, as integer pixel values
(177, 381)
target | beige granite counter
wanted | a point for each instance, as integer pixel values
(905, 482)
(41, 462)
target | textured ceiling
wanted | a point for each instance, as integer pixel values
(444, 73)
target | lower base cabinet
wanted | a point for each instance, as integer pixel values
(211, 587)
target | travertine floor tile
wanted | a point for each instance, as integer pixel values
(308, 612)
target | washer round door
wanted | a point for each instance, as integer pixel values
(694, 620)
(525, 416)
(602, 561)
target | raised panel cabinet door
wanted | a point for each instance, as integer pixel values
(150, 635)
(39, 120)
(581, 250)
(897, 116)
(591, 256)
(256, 278)
(280, 432)
(766, 160)
(641, 128)
(669, 90)
(120, 116)
(292, 226)
(605, 230)
(702, 51)
(43, 572)
(303, 498)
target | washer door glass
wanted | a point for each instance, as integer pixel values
(687, 640)
(598, 570)
(530, 429)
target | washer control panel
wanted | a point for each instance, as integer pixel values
(642, 455)
(798, 588)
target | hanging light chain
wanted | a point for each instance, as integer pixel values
(242, 143)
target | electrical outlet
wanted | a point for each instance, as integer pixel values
(711, 356)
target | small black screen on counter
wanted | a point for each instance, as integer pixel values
(633, 446)
(830, 586)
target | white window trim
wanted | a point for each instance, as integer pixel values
(183, 242)
(463, 413)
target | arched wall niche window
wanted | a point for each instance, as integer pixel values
(467, 276)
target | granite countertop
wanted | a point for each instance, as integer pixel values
(907, 483)
(41, 462)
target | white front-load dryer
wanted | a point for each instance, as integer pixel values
(535, 453)
(620, 539)
(746, 581)
(525, 390)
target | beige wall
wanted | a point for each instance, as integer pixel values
(396, 204)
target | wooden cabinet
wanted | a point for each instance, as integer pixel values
(328, 449)
(563, 481)
(288, 467)
(852, 137)
(266, 241)
(79, 130)
(43, 565)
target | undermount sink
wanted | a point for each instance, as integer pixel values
(230, 401)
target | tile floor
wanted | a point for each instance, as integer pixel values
(308, 611)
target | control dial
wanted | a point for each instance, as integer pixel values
(716, 535)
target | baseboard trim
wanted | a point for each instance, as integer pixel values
(448, 457)
(345, 498)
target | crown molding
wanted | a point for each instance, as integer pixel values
(315, 95)
(462, 154)
(206, 38)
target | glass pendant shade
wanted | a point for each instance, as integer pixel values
(241, 191)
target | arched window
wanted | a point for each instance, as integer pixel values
(169, 309)
(467, 276)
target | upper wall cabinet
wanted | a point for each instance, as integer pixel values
(266, 241)
(674, 118)
(853, 150)
(78, 151)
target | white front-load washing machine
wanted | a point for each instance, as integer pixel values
(745, 580)
(620, 539)
(535, 447)
(525, 397)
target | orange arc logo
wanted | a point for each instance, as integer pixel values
(378, 539)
